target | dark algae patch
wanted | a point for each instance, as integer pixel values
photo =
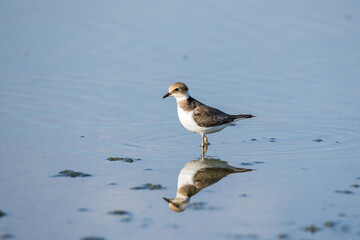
(123, 159)
(344, 191)
(318, 140)
(243, 236)
(125, 215)
(312, 229)
(6, 236)
(329, 224)
(283, 236)
(119, 212)
(93, 238)
(71, 173)
(83, 209)
(149, 186)
(326, 225)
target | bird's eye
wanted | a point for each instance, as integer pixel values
(176, 89)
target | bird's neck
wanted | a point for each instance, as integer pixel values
(186, 104)
(180, 196)
(184, 97)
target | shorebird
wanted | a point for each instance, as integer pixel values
(198, 117)
(197, 175)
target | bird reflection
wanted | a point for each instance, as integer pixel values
(197, 175)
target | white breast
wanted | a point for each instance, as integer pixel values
(187, 120)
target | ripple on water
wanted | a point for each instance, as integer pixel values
(290, 137)
(75, 102)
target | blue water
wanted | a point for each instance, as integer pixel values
(99, 69)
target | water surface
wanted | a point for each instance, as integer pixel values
(82, 81)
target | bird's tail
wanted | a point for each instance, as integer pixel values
(242, 116)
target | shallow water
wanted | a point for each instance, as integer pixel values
(82, 81)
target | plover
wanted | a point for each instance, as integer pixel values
(197, 175)
(198, 117)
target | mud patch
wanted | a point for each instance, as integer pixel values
(283, 236)
(125, 216)
(7, 236)
(344, 192)
(71, 173)
(243, 236)
(329, 224)
(311, 229)
(149, 186)
(83, 209)
(93, 238)
(123, 159)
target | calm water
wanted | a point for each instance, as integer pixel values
(83, 81)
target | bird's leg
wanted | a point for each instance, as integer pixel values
(204, 149)
(206, 140)
(204, 145)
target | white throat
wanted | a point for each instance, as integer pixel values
(182, 97)
(181, 198)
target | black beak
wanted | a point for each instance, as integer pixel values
(166, 95)
(167, 200)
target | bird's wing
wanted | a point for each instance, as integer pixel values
(208, 176)
(206, 116)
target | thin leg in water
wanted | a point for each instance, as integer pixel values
(204, 145)
(204, 149)
(206, 140)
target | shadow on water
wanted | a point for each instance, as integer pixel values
(197, 175)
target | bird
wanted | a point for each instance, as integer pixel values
(198, 117)
(197, 175)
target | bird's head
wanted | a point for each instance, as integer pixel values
(177, 205)
(178, 90)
